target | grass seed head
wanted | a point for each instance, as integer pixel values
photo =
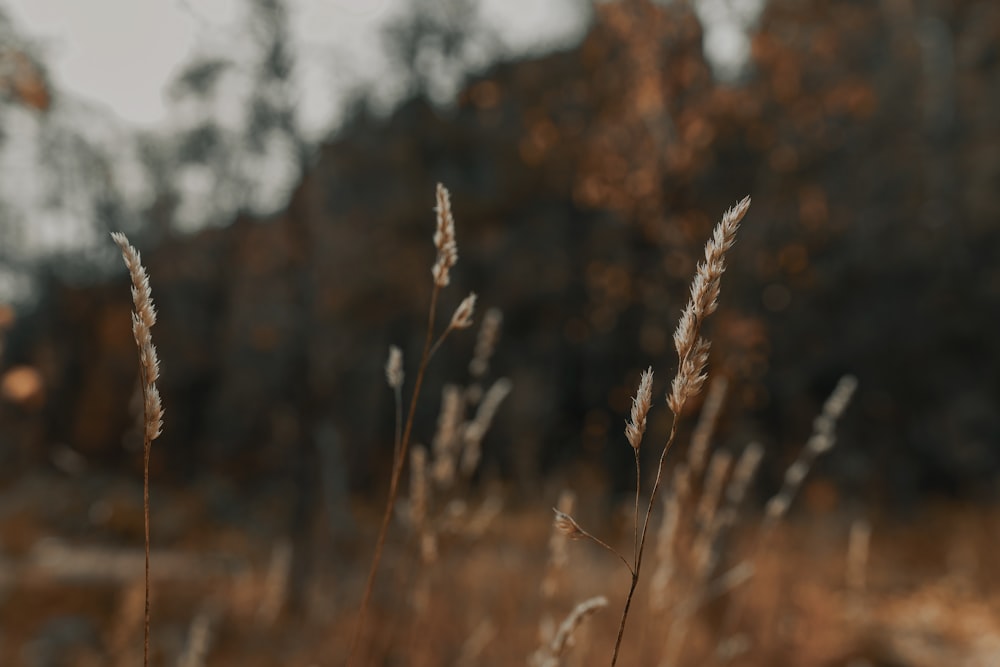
(568, 526)
(462, 319)
(636, 426)
(394, 367)
(444, 239)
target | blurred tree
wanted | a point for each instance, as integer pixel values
(23, 78)
(437, 43)
(61, 167)
(239, 145)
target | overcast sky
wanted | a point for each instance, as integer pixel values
(122, 53)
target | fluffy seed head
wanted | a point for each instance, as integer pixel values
(692, 350)
(143, 319)
(462, 319)
(690, 376)
(444, 239)
(567, 525)
(394, 367)
(636, 426)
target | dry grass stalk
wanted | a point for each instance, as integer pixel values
(143, 319)
(557, 548)
(447, 438)
(743, 473)
(567, 525)
(476, 643)
(418, 486)
(703, 430)
(482, 519)
(692, 353)
(486, 343)
(677, 632)
(666, 539)
(457, 442)
(550, 655)
(447, 256)
(712, 522)
(419, 502)
(727, 581)
(475, 430)
(394, 377)
(822, 439)
(635, 428)
(564, 635)
(276, 581)
(558, 557)
(198, 641)
(718, 470)
(711, 494)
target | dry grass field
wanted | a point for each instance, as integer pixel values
(929, 595)
(365, 464)
(473, 575)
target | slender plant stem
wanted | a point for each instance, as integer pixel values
(145, 512)
(439, 341)
(146, 448)
(649, 508)
(635, 516)
(642, 540)
(397, 469)
(398, 439)
(598, 541)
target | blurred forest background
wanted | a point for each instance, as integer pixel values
(585, 181)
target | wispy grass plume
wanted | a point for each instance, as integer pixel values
(143, 319)
(447, 256)
(692, 355)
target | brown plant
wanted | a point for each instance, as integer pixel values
(143, 319)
